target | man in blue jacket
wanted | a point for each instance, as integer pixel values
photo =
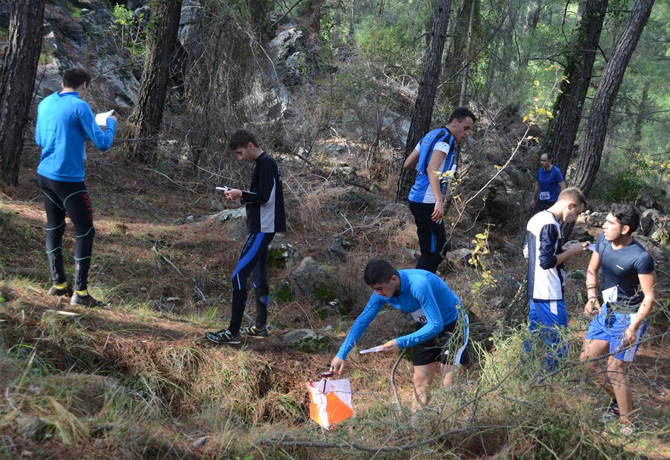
(64, 123)
(438, 338)
(434, 156)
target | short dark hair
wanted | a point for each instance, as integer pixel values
(573, 194)
(74, 78)
(626, 214)
(550, 157)
(461, 114)
(241, 138)
(378, 271)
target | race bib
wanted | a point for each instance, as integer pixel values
(611, 295)
(544, 196)
(419, 316)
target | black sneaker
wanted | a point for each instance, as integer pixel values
(253, 331)
(86, 301)
(53, 290)
(223, 336)
(611, 414)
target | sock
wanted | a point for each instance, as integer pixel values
(83, 293)
(61, 286)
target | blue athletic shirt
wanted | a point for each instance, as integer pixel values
(64, 123)
(621, 268)
(422, 294)
(437, 139)
(549, 180)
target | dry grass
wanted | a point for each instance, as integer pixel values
(138, 381)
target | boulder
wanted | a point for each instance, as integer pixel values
(459, 258)
(297, 335)
(313, 279)
(234, 223)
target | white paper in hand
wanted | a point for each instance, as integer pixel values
(592, 247)
(371, 350)
(101, 118)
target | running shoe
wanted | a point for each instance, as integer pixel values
(253, 331)
(86, 301)
(53, 290)
(224, 336)
(611, 414)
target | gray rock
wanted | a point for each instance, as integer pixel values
(239, 213)
(217, 205)
(200, 442)
(297, 335)
(596, 219)
(311, 277)
(290, 256)
(31, 427)
(508, 282)
(498, 302)
(459, 257)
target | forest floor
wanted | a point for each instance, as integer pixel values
(137, 380)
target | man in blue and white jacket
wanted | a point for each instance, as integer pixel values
(436, 310)
(548, 315)
(64, 123)
(434, 156)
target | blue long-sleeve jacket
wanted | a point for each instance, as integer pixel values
(422, 294)
(64, 123)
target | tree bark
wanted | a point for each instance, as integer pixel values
(17, 80)
(145, 121)
(562, 130)
(596, 129)
(462, 100)
(423, 108)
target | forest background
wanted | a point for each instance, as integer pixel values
(339, 91)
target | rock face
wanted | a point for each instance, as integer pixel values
(85, 39)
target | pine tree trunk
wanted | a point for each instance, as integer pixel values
(596, 129)
(562, 130)
(423, 108)
(462, 100)
(17, 80)
(145, 121)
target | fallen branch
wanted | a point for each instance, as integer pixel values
(167, 260)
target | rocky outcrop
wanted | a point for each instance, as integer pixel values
(85, 38)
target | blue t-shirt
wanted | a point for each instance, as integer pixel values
(549, 180)
(621, 268)
(422, 294)
(64, 123)
(437, 139)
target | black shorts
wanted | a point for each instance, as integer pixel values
(445, 346)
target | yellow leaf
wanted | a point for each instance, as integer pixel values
(525, 118)
(541, 111)
(479, 236)
(536, 83)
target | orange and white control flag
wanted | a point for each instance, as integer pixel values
(330, 401)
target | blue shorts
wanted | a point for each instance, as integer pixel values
(609, 326)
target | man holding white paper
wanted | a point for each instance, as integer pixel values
(64, 123)
(547, 314)
(628, 280)
(442, 330)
